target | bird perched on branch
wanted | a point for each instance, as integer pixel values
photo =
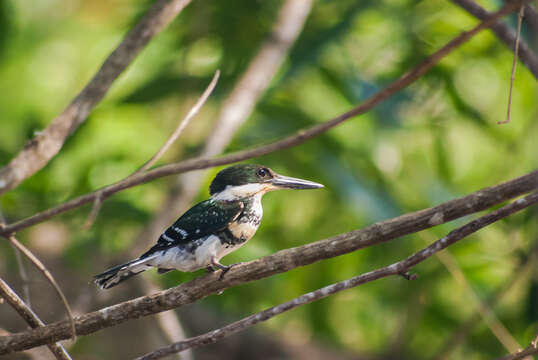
(213, 228)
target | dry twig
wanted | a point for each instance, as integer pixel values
(290, 141)
(401, 267)
(30, 317)
(514, 64)
(278, 262)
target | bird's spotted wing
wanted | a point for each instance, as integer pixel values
(205, 218)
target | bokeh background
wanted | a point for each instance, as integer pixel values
(436, 140)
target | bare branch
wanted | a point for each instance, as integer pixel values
(38, 152)
(290, 141)
(398, 268)
(504, 33)
(278, 262)
(39, 265)
(30, 317)
(514, 64)
(179, 129)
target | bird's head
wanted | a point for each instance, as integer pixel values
(246, 180)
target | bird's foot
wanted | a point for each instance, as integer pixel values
(215, 264)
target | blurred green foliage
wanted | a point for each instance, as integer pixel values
(434, 141)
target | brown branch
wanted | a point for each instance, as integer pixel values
(529, 350)
(504, 33)
(30, 317)
(40, 150)
(279, 262)
(177, 132)
(514, 65)
(398, 268)
(39, 265)
(290, 141)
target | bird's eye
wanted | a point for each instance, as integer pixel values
(262, 172)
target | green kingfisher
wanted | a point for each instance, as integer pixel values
(213, 228)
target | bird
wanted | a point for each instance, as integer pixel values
(212, 228)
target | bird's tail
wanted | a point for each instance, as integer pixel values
(117, 274)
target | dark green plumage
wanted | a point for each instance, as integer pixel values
(205, 218)
(241, 174)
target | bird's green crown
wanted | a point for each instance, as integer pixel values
(241, 174)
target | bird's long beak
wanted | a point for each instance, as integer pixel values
(286, 182)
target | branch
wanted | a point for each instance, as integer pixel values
(529, 350)
(276, 263)
(504, 33)
(398, 268)
(290, 141)
(30, 317)
(40, 150)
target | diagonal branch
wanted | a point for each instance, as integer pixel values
(505, 34)
(290, 141)
(40, 150)
(276, 263)
(30, 317)
(401, 267)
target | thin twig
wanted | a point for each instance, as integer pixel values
(401, 267)
(97, 203)
(514, 64)
(529, 350)
(20, 265)
(30, 317)
(100, 196)
(24, 277)
(45, 145)
(39, 265)
(279, 262)
(182, 125)
(293, 140)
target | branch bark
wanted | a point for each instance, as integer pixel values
(30, 317)
(290, 141)
(279, 262)
(40, 150)
(401, 267)
(504, 33)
